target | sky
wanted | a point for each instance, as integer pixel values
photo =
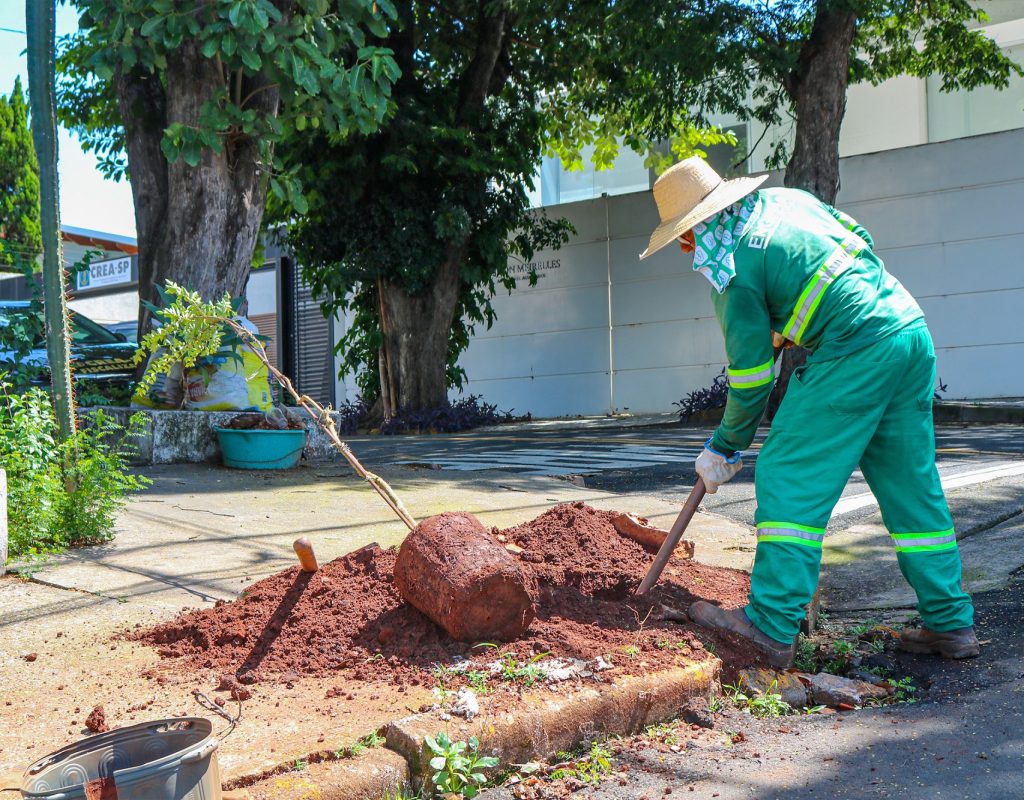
(87, 199)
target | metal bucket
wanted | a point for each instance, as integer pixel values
(169, 759)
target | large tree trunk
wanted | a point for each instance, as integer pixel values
(817, 89)
(413, 358)
(197, 226)
(415, 328)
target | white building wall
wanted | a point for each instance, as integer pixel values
(604, 332)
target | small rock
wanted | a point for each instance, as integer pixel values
(227, 682)
(240, 693)
(466, 704)
(31, 656)
(97, 720)
(759, 681)
(834, 691)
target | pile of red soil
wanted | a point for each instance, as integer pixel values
(349, 615)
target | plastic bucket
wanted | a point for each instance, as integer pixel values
(253, 449)
(169, 759)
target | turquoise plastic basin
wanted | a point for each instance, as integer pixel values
(260, 449)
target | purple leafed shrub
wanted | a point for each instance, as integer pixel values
(462, 415)
(470, 412)
(703, 399)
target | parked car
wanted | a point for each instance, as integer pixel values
(129, 329)
(100, 358)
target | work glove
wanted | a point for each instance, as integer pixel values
(716, 468)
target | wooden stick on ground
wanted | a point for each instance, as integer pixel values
(321, 416)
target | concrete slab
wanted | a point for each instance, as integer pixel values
(859, 568)
(202, 533)
(546, 724)
(377, 774)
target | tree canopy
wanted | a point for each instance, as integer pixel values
(436, 202)
(20, 239)
(190, 100)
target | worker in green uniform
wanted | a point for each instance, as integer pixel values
(787, 268)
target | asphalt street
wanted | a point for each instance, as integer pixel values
(962, 741)
(658, 460)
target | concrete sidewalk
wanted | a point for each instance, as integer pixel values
(201, 534)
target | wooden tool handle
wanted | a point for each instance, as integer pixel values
(307, 558)
(674, 535)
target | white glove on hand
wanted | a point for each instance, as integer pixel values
(716, 469)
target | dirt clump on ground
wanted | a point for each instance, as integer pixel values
(97, 720)
(349, 618)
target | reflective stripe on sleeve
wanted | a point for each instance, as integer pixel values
(924, 542)
(790, 532)
(838, 262)
(755, 376)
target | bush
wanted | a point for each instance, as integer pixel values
(703, 399)
(61, 495)
(462, 415)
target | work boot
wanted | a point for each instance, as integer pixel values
(961, 643)
(706, 615)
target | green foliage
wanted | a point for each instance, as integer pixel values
(438, 197)
(747, 60)
(768, 704)
(74, 488)
(905, 691)
(321, 57)
(189, 329)
(19, 183)
(589, 769)
(806, 657)
(526, 673)
(458, 766)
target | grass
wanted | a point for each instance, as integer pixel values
(589, 768)
(765, 705)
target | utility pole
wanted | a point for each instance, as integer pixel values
(40, 16)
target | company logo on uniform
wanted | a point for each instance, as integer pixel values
(764, 227)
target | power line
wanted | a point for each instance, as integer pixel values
(12, 30)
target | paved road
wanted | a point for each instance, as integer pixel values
(964, 742)
(659, 460)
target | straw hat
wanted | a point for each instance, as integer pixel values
(689, 192)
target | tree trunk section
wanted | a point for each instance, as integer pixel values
(197, 226)
(818, 91)
(415, 328)
(451, 569)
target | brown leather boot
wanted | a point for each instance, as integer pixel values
(961, 643)
(706, 615)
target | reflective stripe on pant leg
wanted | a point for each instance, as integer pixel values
(790, 532)
(782, 583)
(924, 542)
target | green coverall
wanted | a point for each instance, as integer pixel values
(863, 398)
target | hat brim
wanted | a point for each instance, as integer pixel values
(722, 196)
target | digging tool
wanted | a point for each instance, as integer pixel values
(674, 535)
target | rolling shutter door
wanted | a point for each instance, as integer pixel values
(310, 340)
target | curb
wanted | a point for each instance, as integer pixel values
(543, 727)
(548, 726)
(977, 413)
(375, 774)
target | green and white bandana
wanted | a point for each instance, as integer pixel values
(715, 240)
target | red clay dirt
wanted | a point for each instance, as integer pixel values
(454, 571)
(349, 617)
